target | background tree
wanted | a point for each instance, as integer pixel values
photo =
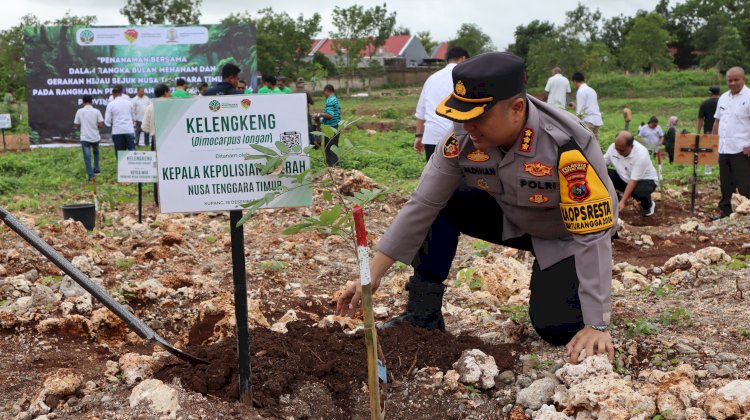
(471, 38)
(360, 30)
(12, 72)
(428, 43)
(525, 35)
(561, 51)
(176, 12)
(645, 45)
(401, 30)
(282, 42)
(583, 24)
(728, 52)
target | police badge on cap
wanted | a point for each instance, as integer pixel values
(481, 82)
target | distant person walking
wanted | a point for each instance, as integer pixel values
(557, 89)
(670, 136)
(119, 115)
(331, 116)
(587, 105)
(733, 127)
(633, 174)
(627, 115)
(431, 128)
(140, 102)
(653, 135)
(89, 120)
(707, 110)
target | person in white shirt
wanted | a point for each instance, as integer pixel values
(119, 115)
(587, 105)
(653, 135)
(432, 129)
(557, 89)
(160, 91)
(732, 124)
(633, 174)
(89, 120)
(140, 102)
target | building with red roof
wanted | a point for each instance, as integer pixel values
(407, 47)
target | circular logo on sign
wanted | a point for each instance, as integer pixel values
(245, 103)
(214, 105)
(87, 37)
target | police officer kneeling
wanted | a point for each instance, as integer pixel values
(522, 174)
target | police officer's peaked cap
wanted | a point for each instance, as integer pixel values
(480, 82)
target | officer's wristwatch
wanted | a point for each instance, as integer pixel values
(601, 328)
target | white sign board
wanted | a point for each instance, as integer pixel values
(133, 166)
(5, 121)
(201, 144)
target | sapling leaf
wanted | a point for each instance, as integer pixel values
(283, 148)
(296, 149)
(327, 196)
(263, 149)
(291, 230)
(255, 157)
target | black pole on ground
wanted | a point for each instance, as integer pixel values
(156, 184)
(140, 201)
(4, 146)
(695, 174)
(240, 307)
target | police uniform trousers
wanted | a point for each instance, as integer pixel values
(734, 174)
(555, 309)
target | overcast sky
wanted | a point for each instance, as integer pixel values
(497, 18)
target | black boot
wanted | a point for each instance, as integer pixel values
(423, 307)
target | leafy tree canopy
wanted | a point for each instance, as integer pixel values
(471, 38)
(176, 12)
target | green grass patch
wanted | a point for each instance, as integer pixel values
(125, 264)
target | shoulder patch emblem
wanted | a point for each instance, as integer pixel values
(537, 169)
(575, 175)
(538, 198)
(528, 137)
(478, 156)
(450, 148)
(585, 203)
(482, 183)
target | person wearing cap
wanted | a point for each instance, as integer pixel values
(520, 173)
(653, 135)
(431, 128)
(587, 104)
(707, 110)
(732, 124)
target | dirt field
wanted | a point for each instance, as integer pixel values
(174, 272)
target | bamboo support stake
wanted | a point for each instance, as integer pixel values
(371, 336)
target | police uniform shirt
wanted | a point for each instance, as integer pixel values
(526, 183)
(636, 166)
(436, 88)
(733, 113)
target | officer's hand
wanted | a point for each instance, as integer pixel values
(620, 206)
(418, 145)
(593, 341)
(349, 301)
